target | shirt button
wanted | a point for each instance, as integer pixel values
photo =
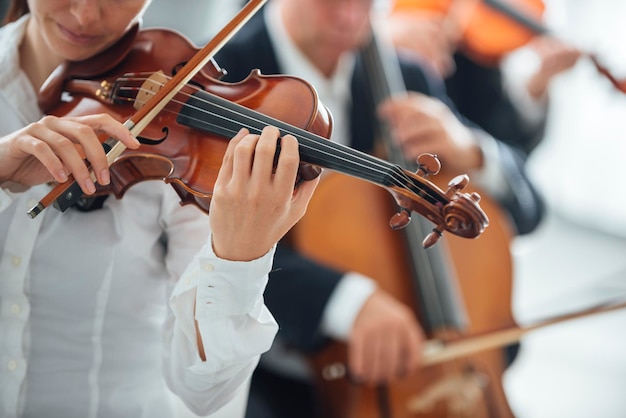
(15, 309)
(16, 260)
(187, 281)
(207, 267)
(12, 365)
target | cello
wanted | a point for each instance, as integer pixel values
(448, 298)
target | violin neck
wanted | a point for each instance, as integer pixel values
(314, 149)
(517, 15)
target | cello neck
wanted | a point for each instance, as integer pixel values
(434, 279)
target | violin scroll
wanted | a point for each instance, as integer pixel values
(459, 213)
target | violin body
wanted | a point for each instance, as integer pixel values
(174, 151)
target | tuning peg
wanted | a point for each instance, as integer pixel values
(456, 184)
(400, 219)
(432, 238)
(427, 164)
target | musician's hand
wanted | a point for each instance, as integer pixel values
(424, 34)
(555, 57)
(386, 341)
(253, 205)
(423, 124)
(54, 147)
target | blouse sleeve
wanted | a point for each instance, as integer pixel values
(226, 300)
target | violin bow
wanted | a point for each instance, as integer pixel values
(70, 192)
(436, 351)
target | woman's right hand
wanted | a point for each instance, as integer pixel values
(55, 147)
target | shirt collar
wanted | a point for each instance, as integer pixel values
(334, 92)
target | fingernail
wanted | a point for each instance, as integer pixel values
(104, 177)
(62, 176)
(91, 188)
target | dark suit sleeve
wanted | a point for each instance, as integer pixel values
(296, 294)
(478, 93)
(523, 203)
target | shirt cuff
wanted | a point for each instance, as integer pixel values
(6, 198)
(517, 69)
(491, 176)
(212, 288)
(345, 304)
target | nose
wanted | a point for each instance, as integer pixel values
(353, 13)
(86, 11)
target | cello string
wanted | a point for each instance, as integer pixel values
(387, 81)
(381, 82)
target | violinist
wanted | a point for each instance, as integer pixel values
(114, 311)
(499, 85)
(318, 40)
(574, 259)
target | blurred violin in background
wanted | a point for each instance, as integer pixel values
(478, 29)
(487, 30)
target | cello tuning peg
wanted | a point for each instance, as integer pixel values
(400, 219)
(432, 238)
(456, 184)
(427, 164)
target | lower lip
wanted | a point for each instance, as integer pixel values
(77, 39)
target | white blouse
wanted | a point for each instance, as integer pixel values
(97, 309)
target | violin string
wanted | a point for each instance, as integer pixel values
(324, 144)
(398, 177)
(322, 141)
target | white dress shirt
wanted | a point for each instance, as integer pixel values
(97, 309)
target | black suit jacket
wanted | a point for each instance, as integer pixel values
(299, 288)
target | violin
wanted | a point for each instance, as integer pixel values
(482, 32)
(487, 30)
(167, 90)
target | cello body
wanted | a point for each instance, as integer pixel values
(334, 233)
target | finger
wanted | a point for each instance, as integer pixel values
(226, 169)
(302, 196)
(107, 124)
(85, 136)
(31, 145)
(356, 358)
(287, 163)
(265, 153)
(52, 133)
(413, 350)
(375, 360)
(87, 128)
(391, 359)
(243, 157)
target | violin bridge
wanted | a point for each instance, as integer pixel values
(149, 88)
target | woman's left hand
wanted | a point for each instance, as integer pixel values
(254, 202)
